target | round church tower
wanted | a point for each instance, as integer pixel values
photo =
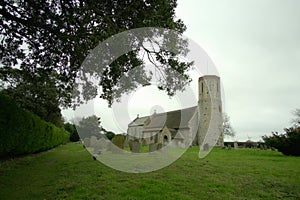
(210, 131)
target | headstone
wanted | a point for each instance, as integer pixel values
(93, 141)
(100, 146)
(265, 147)
(159, 146)
(152, 147)
(86, 142)
(229, 146)
(261, 146)
(102, 143)
(205, 147)
(164, 149)
(236, 146)
(135, 146)
(273, 149)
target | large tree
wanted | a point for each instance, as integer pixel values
(57, 35)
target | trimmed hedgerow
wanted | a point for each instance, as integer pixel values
(23, 132)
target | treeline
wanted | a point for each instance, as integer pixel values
(288, 142)
(23, 132)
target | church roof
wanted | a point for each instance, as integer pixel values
(176, 119)
(139, 121)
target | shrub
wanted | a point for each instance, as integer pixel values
(110, 135)
(287, 143)
(23, 132)
(119, 141)
(71, 128)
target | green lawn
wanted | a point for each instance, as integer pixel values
(69, 172)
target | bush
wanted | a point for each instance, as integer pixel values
(110, 135)
(23, 132)
(71, 128)
(287, 143)
(119, 141)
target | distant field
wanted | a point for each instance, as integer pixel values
(69, 172)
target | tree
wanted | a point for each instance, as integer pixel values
(38, 94)
(71, 128)
(296, 120)
(57, 35)
(110, 135)
(227, 128)
(89, 126)
(287, 143)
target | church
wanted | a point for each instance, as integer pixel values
(197, 125)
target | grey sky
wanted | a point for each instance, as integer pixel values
(255, 45)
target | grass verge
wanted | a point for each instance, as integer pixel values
(69, 172)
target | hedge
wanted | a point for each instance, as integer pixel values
(23, 132)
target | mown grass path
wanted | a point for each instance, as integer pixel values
(69, 172)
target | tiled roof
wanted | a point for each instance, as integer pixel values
(139, 121)
(173, 120)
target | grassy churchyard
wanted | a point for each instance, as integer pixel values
(69, 172)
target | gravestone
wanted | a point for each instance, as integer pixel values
(159, 146)
(86, 142)
(273, 149)
(236, 146)
(93, 141)
(229, 146)
(135, 146)
(100, 146)
(206, 147)
(103, 143)
(265, 147)
(152, 147)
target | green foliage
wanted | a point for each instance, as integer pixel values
(110, 135)
(58, 35)
(119, 141)
(227, 128)
(36, 93)
(89, 126)
(23, 132)
(287, 143)
(71, 128)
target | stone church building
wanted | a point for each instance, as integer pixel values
(196, 125)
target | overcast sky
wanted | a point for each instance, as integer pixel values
(255, 45)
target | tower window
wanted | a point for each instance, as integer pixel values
(217, 87)
(202, 87)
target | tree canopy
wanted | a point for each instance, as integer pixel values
(89, 126)
(296, 119)
(227, 128)
(57, 35)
